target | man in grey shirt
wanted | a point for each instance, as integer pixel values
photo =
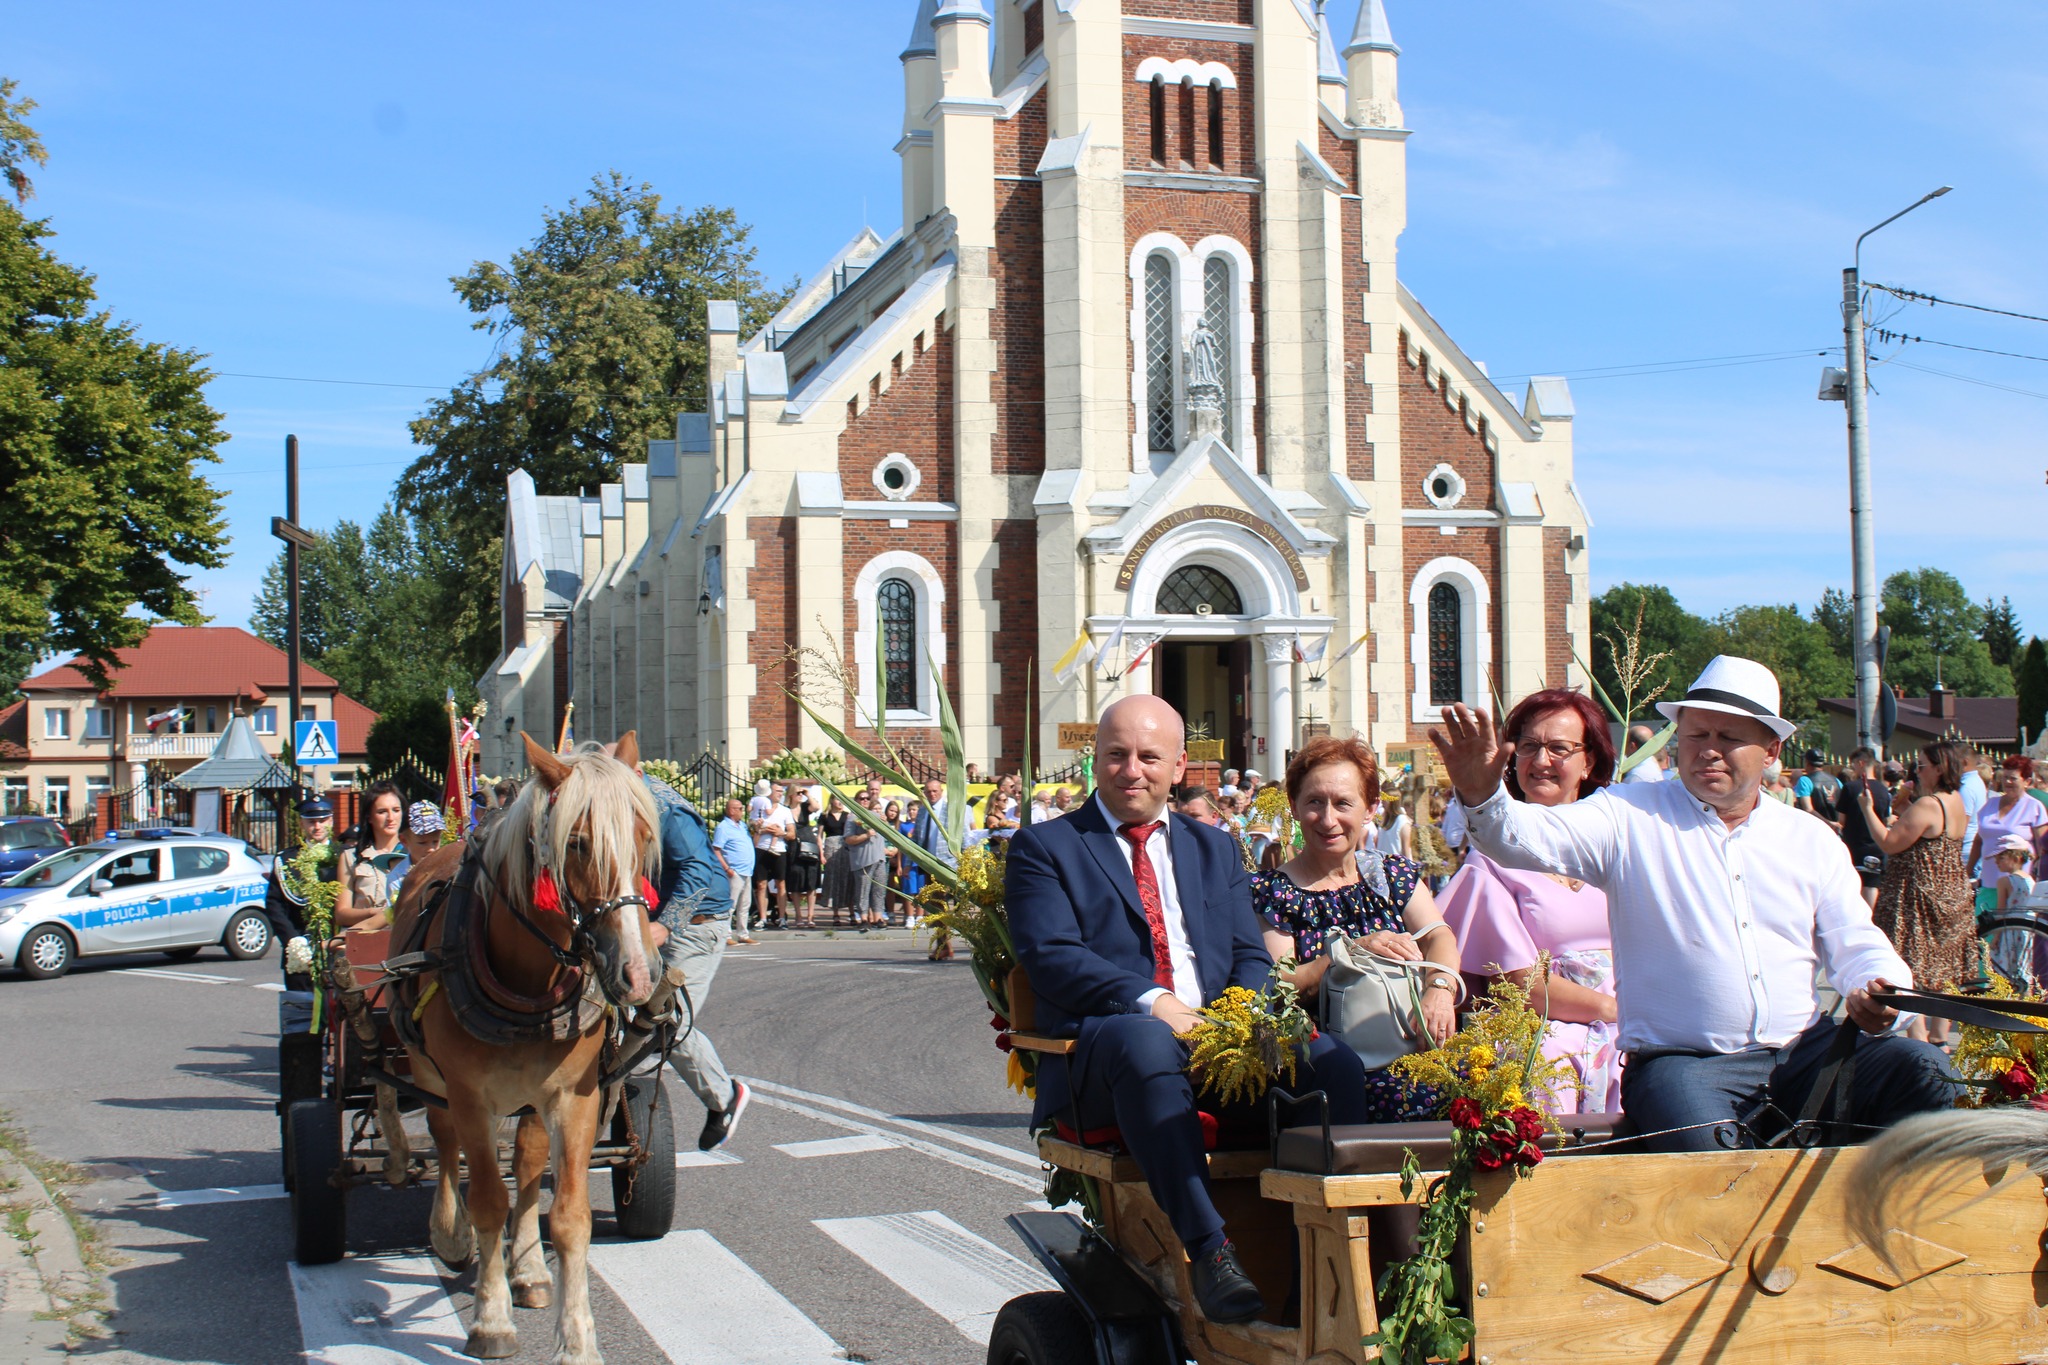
(867, 861)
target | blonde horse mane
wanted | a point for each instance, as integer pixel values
(601, 795)
(1897, 1174)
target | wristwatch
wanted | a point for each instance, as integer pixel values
(1443, 981)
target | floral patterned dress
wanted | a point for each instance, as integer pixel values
(1313, 918)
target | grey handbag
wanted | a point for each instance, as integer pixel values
(1374, 1003)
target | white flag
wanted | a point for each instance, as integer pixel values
(1352, 648)
(1109, 648)
(1312, 652)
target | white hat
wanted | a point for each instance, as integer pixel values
(1739, 687)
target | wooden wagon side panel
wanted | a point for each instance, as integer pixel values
(1737, 1258)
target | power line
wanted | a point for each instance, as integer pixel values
(1889, 337)
(1966, 379)
(1914, 296)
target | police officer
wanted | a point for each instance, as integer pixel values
(298, 1050)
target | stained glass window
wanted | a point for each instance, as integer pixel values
(1446, 645)
(1159, 353)
(1218, 313)
(896, 606)
(1194, 586)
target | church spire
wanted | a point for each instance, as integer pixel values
(1329, 70)
(1371, 33)
(922, 42)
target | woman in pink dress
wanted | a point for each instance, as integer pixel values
(1504, 918)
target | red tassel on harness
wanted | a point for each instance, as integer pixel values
(548, 896)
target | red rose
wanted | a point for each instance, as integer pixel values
(1486, 1159)
(1529, 1155)
(2017, 1083)
(1505, 1139)
(998, 1023)
(1003, 1043)
(1466, 1114)
(2037, 1102)
(1529, 1125)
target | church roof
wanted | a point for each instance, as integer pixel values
(1328, 66)
(1371, 34)
(922, 42)
(547, 531)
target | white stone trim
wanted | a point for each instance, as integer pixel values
(1244, 444)
(1202, 30)
(1450, 476)
(1185, 69)
(930, 588)
(1475, 599)
(1177, 253)
(896, 459)
(1264, 583)
(1189, 263)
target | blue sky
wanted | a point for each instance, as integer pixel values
(1600, 184)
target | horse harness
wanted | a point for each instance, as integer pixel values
(485, 1006)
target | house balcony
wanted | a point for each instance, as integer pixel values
(151, 748)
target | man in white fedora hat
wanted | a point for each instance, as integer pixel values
(1723, 908)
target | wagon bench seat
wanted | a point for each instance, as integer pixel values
(1376, 1148)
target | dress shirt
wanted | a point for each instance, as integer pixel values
(1717, 932)
(1453, 823)
(1187, 985)
(1974, 794)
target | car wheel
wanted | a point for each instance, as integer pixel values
(248, 936)
(46, 952)
(181, 954)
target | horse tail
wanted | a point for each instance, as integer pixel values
(1895, 1185)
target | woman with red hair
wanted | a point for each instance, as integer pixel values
(1339, 886)
(2016, 811)
(1506, 919)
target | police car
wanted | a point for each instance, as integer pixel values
(152, 890)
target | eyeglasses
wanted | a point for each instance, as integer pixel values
(1558, 749)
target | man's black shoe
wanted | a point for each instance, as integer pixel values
(719, 1124)
(1222, 1289)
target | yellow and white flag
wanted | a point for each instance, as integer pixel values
(1079, 655)
(1352, 648)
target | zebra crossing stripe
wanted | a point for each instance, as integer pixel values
(178, 1199)
(390, 1310)
(198, 978)
(704, 1305)
(1028, 1160)
(840, 1146)
(948, 1269)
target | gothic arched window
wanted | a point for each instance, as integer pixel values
(1160, 351)
(896, 613)
(1446, 645)
(1192, 587)
(1159, 119)
(1218, 312)
(1216, 124)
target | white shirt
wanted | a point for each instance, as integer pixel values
(1454, 824)
(1187, 983)
(1645, 771)
(1388, 839)
(1717, 932)
(778, 822)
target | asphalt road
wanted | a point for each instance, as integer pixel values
(861, 1220)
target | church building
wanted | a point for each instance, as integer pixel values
(1137, 374)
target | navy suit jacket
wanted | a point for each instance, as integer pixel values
(1082, 937)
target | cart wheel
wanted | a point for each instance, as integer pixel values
(644, 1200)
(298, 1078)
(1041, 1329)
(319, 1206)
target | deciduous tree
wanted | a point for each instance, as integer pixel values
(1667, 629)
(101, 434)
(1791, 645)
(602, 342)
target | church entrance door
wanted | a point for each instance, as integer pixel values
(1209, 683)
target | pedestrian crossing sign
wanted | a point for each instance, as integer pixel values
(314, 744)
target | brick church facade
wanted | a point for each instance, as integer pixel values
(1138, 369)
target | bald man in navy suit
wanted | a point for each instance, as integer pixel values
(1128, 919)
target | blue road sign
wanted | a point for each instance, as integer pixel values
(315, 743)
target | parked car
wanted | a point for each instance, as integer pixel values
(138, 891)
(27, 839)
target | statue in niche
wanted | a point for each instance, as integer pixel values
(1205, 370)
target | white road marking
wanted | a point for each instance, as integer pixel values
(1028, 1160)
(946, 1154)
(846, 1146)
(202, 978)
(907, 971)
(277, 986)
(705, 1306)
(377, 1311)
(688, 1159)
(942, 1265)
(226, 1194)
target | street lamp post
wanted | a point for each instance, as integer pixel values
(1862, 531)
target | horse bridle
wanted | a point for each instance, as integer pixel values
(582, 947)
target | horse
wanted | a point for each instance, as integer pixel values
(556, 897)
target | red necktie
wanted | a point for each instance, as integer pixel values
(1148, 896)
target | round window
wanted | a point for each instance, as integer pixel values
(1441, 486)
(893, 478)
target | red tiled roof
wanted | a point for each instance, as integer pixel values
(191, 661)
(1982, 720)
(14, 731)
(352, 728)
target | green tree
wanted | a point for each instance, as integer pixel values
(1835, 614)
(1935, 627)
(2000, 631)
(1793, 646)
(2030, 685)
(19, 144)
(602, 341)
(1667, 629)
(374, 610)
(418, 724)
(100, 435)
